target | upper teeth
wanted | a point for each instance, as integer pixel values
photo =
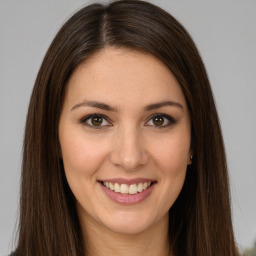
(127, 189)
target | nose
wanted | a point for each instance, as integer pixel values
(129, 151)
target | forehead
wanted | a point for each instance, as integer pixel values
(123, 76)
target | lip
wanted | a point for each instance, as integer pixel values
(127, 199)
(126, 181)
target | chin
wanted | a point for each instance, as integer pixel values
(129, 223)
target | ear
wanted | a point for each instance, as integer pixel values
(190, 157)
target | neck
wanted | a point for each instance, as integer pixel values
(102, 241)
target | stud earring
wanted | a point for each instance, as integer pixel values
(190, 160)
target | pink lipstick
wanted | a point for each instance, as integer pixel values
(127, 192)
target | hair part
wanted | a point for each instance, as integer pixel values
(200, 219)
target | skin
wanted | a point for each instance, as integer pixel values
(127, 145)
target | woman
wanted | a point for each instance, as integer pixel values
(123, 152)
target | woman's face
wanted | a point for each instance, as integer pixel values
(124, 133)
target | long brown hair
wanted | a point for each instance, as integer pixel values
(200, 219)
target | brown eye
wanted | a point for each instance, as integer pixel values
(97, 121)
(158, 120)
(161, 121)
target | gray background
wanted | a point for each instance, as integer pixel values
(225, 33)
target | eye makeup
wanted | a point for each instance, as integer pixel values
(101, 121)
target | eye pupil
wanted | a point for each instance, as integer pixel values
(97, 121)
(158, 120)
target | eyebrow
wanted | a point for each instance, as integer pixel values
(101, 105)
(163, 104)
(94, 104)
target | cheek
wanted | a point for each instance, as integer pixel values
(171, 160)
(171, 155)
(81, 156)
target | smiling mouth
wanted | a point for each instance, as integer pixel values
(131, 189)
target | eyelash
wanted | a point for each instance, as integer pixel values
(85, 119)
(169, 119)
